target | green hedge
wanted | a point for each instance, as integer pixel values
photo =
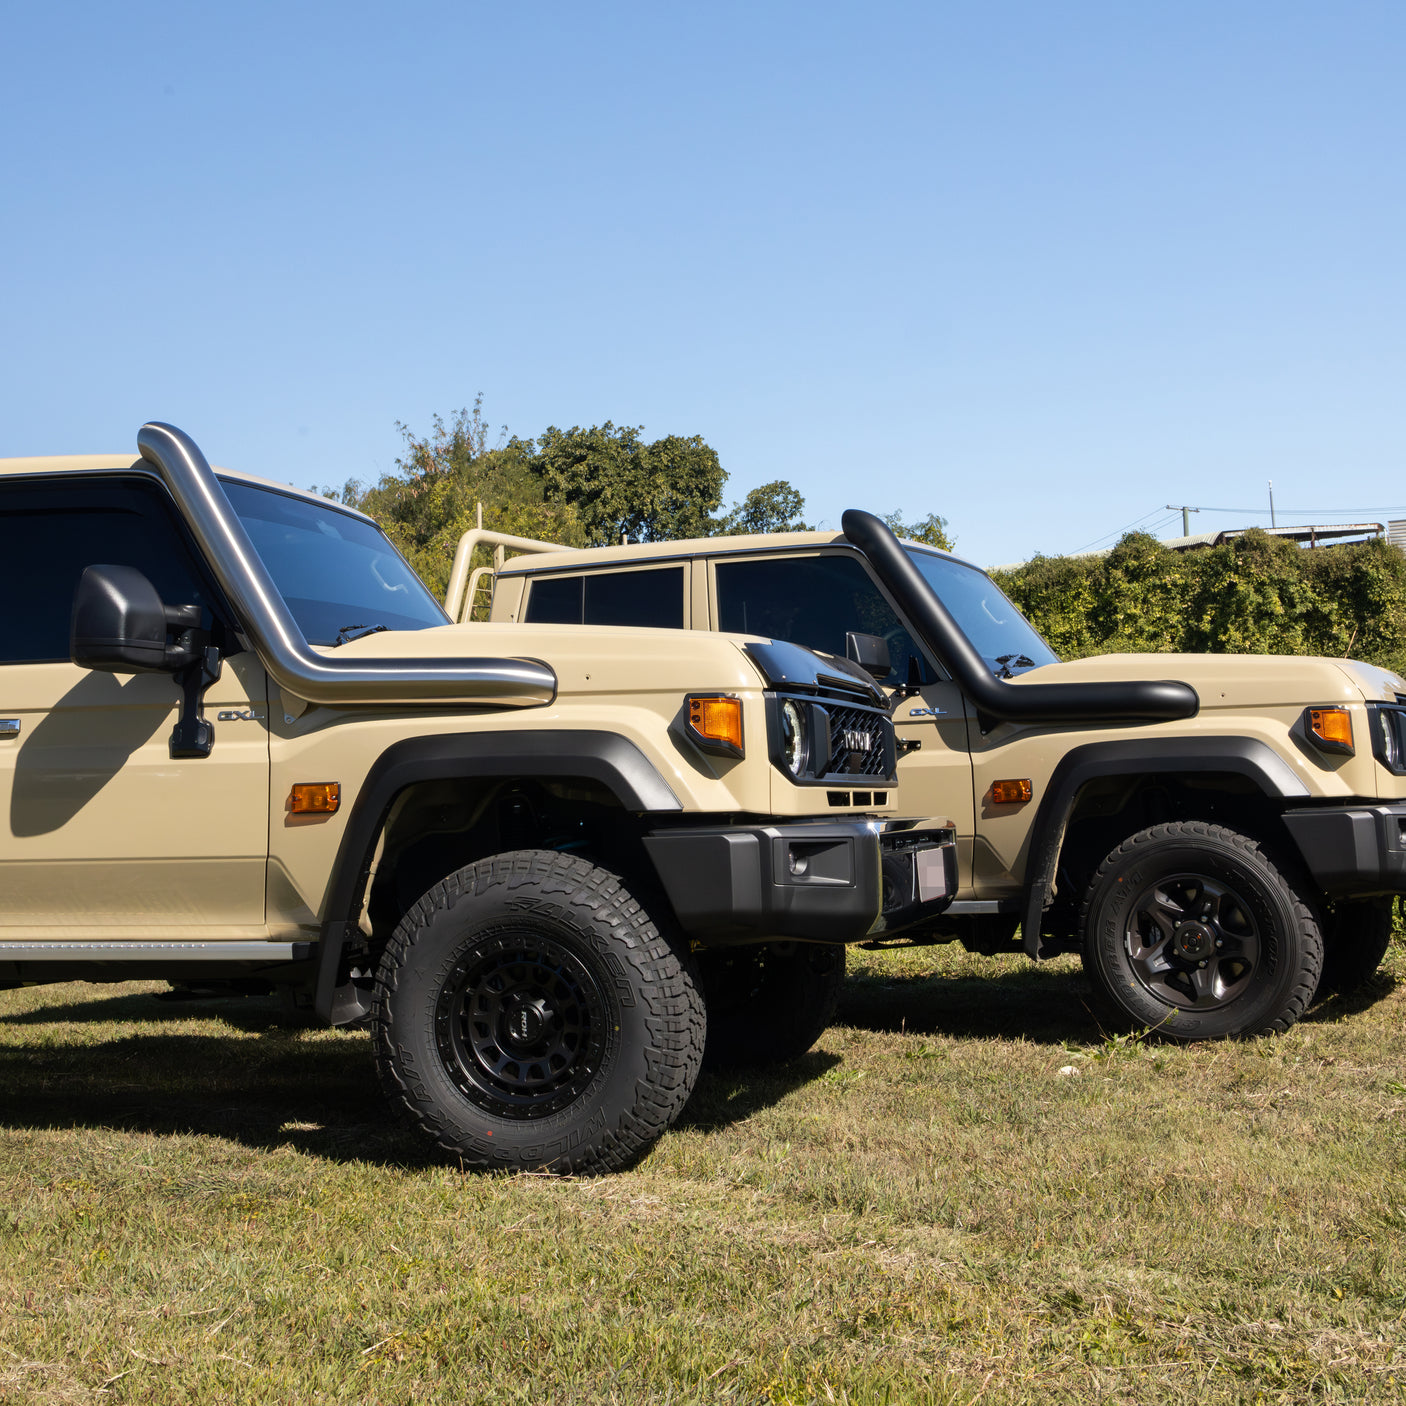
(1256, 595)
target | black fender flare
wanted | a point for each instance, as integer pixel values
(1242, 756)
(606, 757)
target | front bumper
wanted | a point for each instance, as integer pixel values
(1358, 849)
(826, 881)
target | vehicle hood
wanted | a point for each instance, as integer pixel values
(589, 658)
(1236, 680)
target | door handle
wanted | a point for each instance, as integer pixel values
(9, 727)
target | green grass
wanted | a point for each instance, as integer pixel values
(203, 1204)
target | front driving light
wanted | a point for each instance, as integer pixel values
(1330, 729)
(795, 737)
(715, 722)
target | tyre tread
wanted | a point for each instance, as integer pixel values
(675, 1018)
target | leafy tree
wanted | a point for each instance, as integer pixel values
(620, 484)
(1254, 595)
(430, 500)
(931, 529)
(774, 507)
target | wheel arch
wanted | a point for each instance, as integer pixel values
(607, 761)
(1267, 773)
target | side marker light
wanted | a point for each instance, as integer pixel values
(315, 798)
(715, 722)
(1330, 729)
(1005, 793)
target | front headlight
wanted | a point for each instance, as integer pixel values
(1388, 728)
(795, 737)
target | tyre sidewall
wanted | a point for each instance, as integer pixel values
(1264, 891)
(601, 1115)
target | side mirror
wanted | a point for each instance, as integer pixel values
(119, 625)
(870, 652)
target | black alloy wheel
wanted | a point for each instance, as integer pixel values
(1193, 941)
(1192, 931)
(523, 1023)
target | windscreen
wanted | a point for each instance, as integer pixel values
(997, 630)
(337, 574)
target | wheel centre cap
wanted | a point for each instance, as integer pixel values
(1193, 941)
(525, 1020)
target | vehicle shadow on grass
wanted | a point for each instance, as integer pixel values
(723, 1097)
(286, 1087)
(313, 1090)
(1044, 1007)
(1041, 1006)
(1349, 1003)
(255, 1014)
(278, 1084)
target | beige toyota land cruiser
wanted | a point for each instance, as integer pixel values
(243, 748)
(1219, 836)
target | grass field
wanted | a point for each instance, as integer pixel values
(966, 1192)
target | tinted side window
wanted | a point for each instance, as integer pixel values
(641, 599)
(554, 601)
(813, 601)
(50, 532)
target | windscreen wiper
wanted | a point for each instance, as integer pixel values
(1021, 661)
(348, 633)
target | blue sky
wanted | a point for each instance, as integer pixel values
(1038, 268)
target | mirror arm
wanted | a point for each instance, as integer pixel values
(188, 646)
(194, 734)
(908, 690)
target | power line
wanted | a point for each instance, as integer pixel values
(1301, 512)
(1121, 531)
(1175, 508)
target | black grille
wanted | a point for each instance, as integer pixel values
(858, 742)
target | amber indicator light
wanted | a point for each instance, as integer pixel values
(717, 720)
(1332, 726)
(315, 798)
(1006, 793)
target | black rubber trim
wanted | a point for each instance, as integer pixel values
(1242, 756)
(1352, 850)
(612, 760)
(733, 882)
(820, 880)
(1136, 700)
(792, 666)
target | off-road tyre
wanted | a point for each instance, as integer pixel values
(768, 1002)
(1356, 935)
(530, 1015)
(1192, 931)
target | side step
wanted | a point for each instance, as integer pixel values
(63, 950)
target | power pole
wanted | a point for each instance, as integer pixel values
(1272, 522)
(1185, 520)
